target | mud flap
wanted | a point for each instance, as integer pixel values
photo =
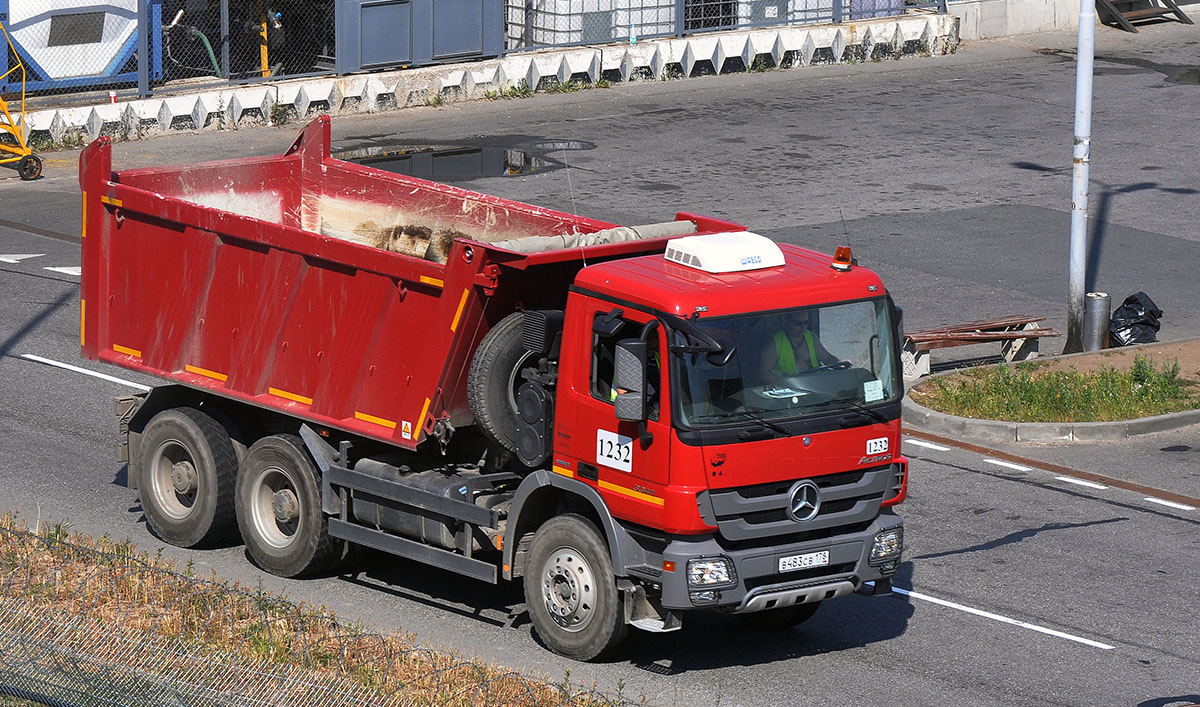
(645, 612)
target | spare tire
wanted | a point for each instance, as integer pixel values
(495, 377)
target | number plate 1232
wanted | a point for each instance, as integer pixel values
(801, 562)
(614, 450)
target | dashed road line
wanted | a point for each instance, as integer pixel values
(927, 445)
(86, 372)
(1002, 619)
(1169, 504)
(1007, 465)
(76, 271)
(1081, 482)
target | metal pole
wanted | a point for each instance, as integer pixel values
(1081, 158)
(225, 39)
(143, 48)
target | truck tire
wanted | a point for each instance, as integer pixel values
(570, 590)
(787, 617)
(186, 470)
(279, 509)
(494, 378)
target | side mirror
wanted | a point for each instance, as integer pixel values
(898, 317)
(629, 378)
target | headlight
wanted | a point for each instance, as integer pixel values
(888, 544)
(711, 571)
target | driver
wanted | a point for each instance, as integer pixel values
(793, 349)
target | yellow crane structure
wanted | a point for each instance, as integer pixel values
(16, 149)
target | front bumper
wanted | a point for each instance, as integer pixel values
(756, 584)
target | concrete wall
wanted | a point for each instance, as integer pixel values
(985, 19)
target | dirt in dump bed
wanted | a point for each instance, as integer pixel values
(410, 239)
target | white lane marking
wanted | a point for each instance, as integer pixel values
(1009, 465)
(67, 271)
(18, 258)
(1002, 619)
(1080, 482)
(1169, 504)
(927, 445)
(86, 372)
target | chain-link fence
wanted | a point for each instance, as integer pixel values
(537, 24)
(78, 46)
(131, 48)
(91, 622)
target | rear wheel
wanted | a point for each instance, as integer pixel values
(186, 470)
(786, 617)
(279, 509)
(570, 591)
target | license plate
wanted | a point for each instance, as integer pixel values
(801, 562)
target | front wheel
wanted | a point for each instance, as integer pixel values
(279, 509)
(570, 590)
(30, 167)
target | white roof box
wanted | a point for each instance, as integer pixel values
(725, 252)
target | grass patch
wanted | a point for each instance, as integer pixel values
(114, 613)
(1028, 393)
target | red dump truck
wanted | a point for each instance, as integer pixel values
(634, 422)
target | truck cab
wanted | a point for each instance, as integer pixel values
(734, 480)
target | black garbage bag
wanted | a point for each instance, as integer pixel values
(1134, 322)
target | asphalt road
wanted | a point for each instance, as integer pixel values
(951, 178)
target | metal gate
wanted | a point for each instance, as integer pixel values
(380, 33)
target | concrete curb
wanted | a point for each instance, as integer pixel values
(921, 419)
(231, 107)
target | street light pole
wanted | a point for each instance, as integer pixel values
(1081, 158)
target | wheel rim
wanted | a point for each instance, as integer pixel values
(569, 589)
(275, 508)
(174, 479)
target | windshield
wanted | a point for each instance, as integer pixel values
(789, 364)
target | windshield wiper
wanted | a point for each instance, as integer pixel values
(763, 421)
(848, 421)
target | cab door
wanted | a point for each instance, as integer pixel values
(630, 469)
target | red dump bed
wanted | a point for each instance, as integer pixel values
(264, 280)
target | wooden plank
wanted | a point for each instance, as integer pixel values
(984, 325)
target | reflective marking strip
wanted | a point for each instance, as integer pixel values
(1002, 619)
(83, 228)
(206, 373)
(927, 445)
(84, 371)
(421, 419)
(1169, 504)
(631, 493)
(290, 396)
(1009, 465)
(377, 420)
(565, 472)
(1079, 482)
(433, 281)
(458, 315)
(110, 200)
(127, 351)
(82, 319)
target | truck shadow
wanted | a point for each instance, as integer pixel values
(708, 640)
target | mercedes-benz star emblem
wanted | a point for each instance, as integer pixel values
(804, 501)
